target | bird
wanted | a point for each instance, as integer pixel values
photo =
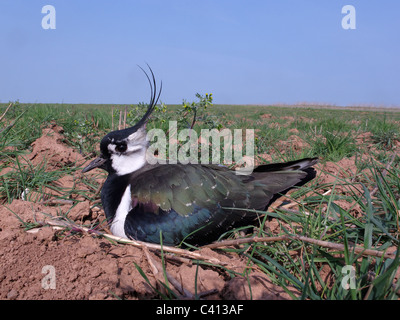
(175, 203)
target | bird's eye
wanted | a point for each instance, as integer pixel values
(120, 147)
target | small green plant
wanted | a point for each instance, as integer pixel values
(198, 111)
(193, 115)
(186, 115)
(84, 134)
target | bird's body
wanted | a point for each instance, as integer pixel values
(191, 202)
(189, 199)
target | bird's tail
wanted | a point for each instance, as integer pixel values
(291, 165)
(276, 179)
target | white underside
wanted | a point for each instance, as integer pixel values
(118, 224)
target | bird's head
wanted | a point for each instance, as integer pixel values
(124, 151)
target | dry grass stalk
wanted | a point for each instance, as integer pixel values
(5, 112)
(56, 223)
(321, 243)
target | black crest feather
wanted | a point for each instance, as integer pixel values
(154, 97)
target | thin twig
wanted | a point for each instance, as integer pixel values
(236, 242)
(125, 112)
(341, 247)
(120, 120)
(192, 125)
(156, 266)
(150, 261)
(9, 106)
(185, 293)
(112, 118)
(194, 119)
(139, 244)
(154, 269)
(321, 243)
(207, 293)
(12, 124)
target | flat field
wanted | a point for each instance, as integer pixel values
(334, 238)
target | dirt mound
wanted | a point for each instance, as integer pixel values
(341, 178)
(50, 149)
(38, 261)
(332, 172)
(293, 144)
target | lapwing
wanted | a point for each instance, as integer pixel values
(194, 203)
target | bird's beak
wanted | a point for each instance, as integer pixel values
(96, 163)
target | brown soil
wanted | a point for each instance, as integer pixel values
(49, 148)
(91, 267)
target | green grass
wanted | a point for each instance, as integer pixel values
(374, 189)
(332, 146)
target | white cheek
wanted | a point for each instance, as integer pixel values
(135, 148)
(111, 148)
(124, 164)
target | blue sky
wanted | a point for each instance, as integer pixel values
(244, 52)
